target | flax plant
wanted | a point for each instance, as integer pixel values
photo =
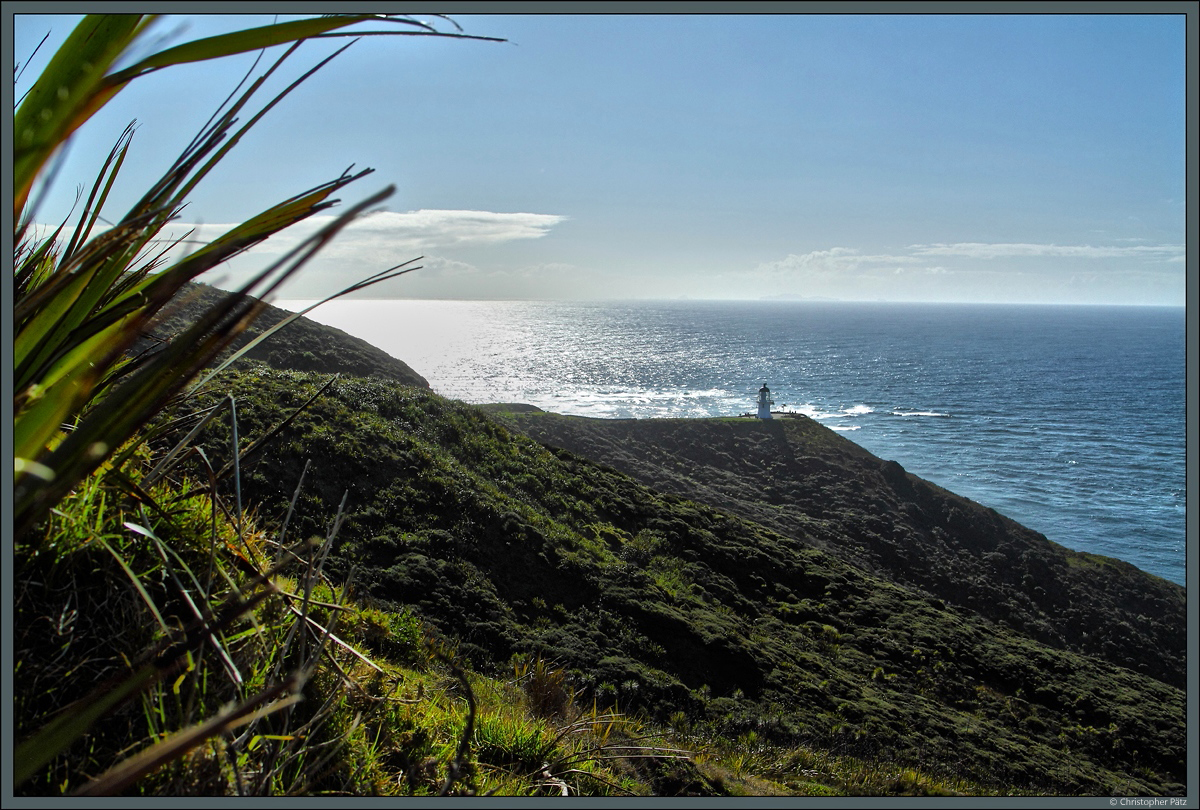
(84, 404)
(82, 298)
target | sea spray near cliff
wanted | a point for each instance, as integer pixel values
(1070, 420)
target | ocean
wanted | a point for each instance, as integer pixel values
(1070, 420)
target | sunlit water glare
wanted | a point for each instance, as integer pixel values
(1070, 420)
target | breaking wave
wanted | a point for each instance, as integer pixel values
(1027, 386)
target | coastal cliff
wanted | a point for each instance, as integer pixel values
(793, 614)
(810, 483)
(307, 346)
(742, 576)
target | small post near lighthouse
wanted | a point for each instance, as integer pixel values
(764, 402)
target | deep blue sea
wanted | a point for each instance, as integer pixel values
(1070, 420)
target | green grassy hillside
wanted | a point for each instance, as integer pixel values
(701, 618)
(276, 582)
(807, 482)
(303, 345)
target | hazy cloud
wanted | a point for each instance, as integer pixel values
(439, 228)
(844, 261)
(384, 235)
(986, 250)
(833, 260)
(441, 267)
(966, 271)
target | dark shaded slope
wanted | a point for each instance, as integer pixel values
(806, 481)
(671, 606)
(303, 345)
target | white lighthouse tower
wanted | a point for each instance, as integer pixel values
(764, 402)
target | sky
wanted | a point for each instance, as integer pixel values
(971, 158)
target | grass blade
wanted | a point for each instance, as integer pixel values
(74, 722)
(67, 89)
(129, 771)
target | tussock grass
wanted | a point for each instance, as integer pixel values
(136, 590)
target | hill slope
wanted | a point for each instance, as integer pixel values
(303, 345)
(695, 615)
(809, 483)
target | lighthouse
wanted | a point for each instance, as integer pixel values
(764, 402)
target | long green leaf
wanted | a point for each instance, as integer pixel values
(69, 330)
(114, 420)
(33, 264)
(130, 770)
(164, 465)
(385, 275)
(91, 348)
(74, 85)
(41, 414)
(98, 349)
(69, 726)
(66, 303)
(251, 39)
(70, 84)
(231, 142)
(95, 202)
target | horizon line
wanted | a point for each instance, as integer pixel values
(762, 300)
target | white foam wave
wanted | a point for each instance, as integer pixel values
(813, 412)
(918, 413)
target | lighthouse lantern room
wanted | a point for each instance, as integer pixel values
(764, 402)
